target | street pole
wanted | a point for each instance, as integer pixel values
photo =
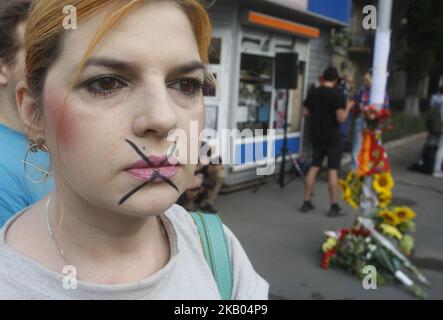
(285, 142)
(381, 53)
(378, 87)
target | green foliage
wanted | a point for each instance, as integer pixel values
(419, 41)
(340, 40)
(404, 125)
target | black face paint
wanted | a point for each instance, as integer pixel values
(140, 153)
(155, 174)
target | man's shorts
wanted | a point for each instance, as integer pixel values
(333, 153)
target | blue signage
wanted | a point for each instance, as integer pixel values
(335, 9)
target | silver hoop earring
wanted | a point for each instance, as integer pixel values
(35, 147)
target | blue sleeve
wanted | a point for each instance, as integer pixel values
(357, 96)
(12, 199)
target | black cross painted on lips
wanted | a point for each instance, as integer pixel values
(155, 173)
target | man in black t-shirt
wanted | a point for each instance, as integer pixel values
(327, 108)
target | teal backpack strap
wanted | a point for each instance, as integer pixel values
(216, 250)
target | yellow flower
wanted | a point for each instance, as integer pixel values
(351, 188)
(343, 185)
(391, 231)
(329, 244)
(388, 217)
(352, 175)
(353, 203)
(349, 198)
(347, 193)
(385, 199)
(383, 182)
(404, 213)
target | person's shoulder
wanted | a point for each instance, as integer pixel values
(14, 139)
(182, 221)
(178, 214)
(11, 161)
(248, 284)
(360, 91)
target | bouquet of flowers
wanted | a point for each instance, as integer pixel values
(377, 119)
(355, 248)
(382, 238)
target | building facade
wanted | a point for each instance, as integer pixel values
(247, 35)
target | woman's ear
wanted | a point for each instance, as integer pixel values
(3, 73)
(29, 112)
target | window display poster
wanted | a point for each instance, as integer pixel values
(279, 109)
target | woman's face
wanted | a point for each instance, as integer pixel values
(143, 79)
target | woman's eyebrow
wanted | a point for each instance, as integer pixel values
(112, 63)
(122, 65)
(188, 67)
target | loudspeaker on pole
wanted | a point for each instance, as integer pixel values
(286, 70)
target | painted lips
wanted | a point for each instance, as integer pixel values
(160, 166)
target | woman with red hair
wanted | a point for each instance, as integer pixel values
(102, 99)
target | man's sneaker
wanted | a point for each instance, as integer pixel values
(437, 174)
(335, 211)
(306, 207)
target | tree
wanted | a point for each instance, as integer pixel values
(418, 41)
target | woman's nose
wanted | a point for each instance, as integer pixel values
(156, 115)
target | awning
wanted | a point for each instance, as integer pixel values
(290, 13)
(263, 20)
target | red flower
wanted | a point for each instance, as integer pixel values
(360, 232)
(342, 233)
(327, 258)
(384, 114)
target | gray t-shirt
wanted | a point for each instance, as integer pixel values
(186, 276)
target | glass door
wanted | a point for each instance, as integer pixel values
(255, 92)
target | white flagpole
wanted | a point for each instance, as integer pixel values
(378, 87)
(381, 53)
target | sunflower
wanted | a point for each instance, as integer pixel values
(385, 199)
(352, 175)
(404, 213)
(352, 203)
(351, 188)
(389, 217)
(347, 193)
(383, 182)
(350, 199)
(343, 185)
(391, 231)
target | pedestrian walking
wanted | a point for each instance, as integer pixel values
(327, 108)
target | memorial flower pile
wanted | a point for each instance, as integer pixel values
(382, 233)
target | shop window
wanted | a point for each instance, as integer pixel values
(210, 89)
(255, 93)
(295, 104)
(215, 51)
(211, 120)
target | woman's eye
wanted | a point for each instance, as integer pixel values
(105, 86)
(189, 87)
